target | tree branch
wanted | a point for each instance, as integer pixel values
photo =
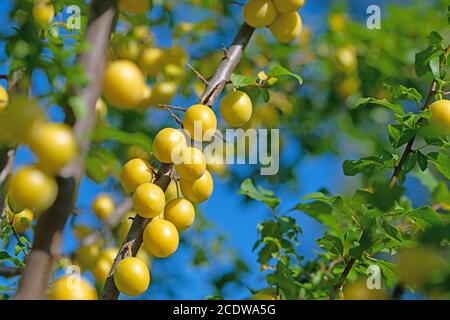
(9, 272)
(408, 149)
(340, 282)
(50, 225)
(212, 92)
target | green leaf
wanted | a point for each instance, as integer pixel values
(320, 211)
(78, 106)
(364, 165)
(392, 231)
(399, 91)
(422, 161)
(279, 71)
(240, 81)
(398, 109)
(442, 163)
(332, 244)
(260, 194)
(425, 217)
(389, 271)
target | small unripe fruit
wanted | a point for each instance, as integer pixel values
(288, 6)
(147, 99)
(125, 48)
(131, 276)
(33, 189)
(101, 271)
(134, 173)
(359, 291)
(259, 13)
(286, 27)
(135, 6)
(103, 206)
(123, 84)
(4, 98)
(192, 164)
(168, 142)
(265, 294)
(124, 226)
(87, 256)
(21, 221)
(72, 288)
(149, 200)
(200, 122)
(163, 92)
(236, 108)
(181, 213)
(43, 11)
(137, 152)
(171, 191)
(54, 145)
(199, 190)
(440, 116)
(101, 111)
(151, 60)
(161, 238)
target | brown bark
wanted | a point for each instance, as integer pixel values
(50, 225)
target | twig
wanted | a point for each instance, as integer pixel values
(340, 282)
(215, 86)
(9, 272)
(198, 74)
(408, 149)
(166, 106)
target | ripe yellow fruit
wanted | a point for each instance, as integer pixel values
(104, 264)
(124, 226)
(103, 206)
(286, 27)
(72, 288)
(101, 111)
(265, 294)
(161, 238)
(440, 115)
(21, 117)
(123, 84)
(21, 221)
(151, 61)
(43, 11)
(236, 108)
(163, 92)
(33, 189)
(181, 213)
(4, 98)
(147, 99)
(215, 163)
(168, 141)
(134, 173)
(137, 152)
(149, 200)
(54, 145)
(131, 276)
(416, 265)
(101, 270)
(126, 48)
(288, 6)
(192, 164)
(87, 256)
(259, 13)
(359, 291)
(200, 122)
(171, 191)
(135, 6)
(199, 190)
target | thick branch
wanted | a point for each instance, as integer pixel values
(50, 225)
(212, 92)
(6, 166)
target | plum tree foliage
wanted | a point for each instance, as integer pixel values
(377, 95)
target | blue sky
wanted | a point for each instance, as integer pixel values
(226, 208)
